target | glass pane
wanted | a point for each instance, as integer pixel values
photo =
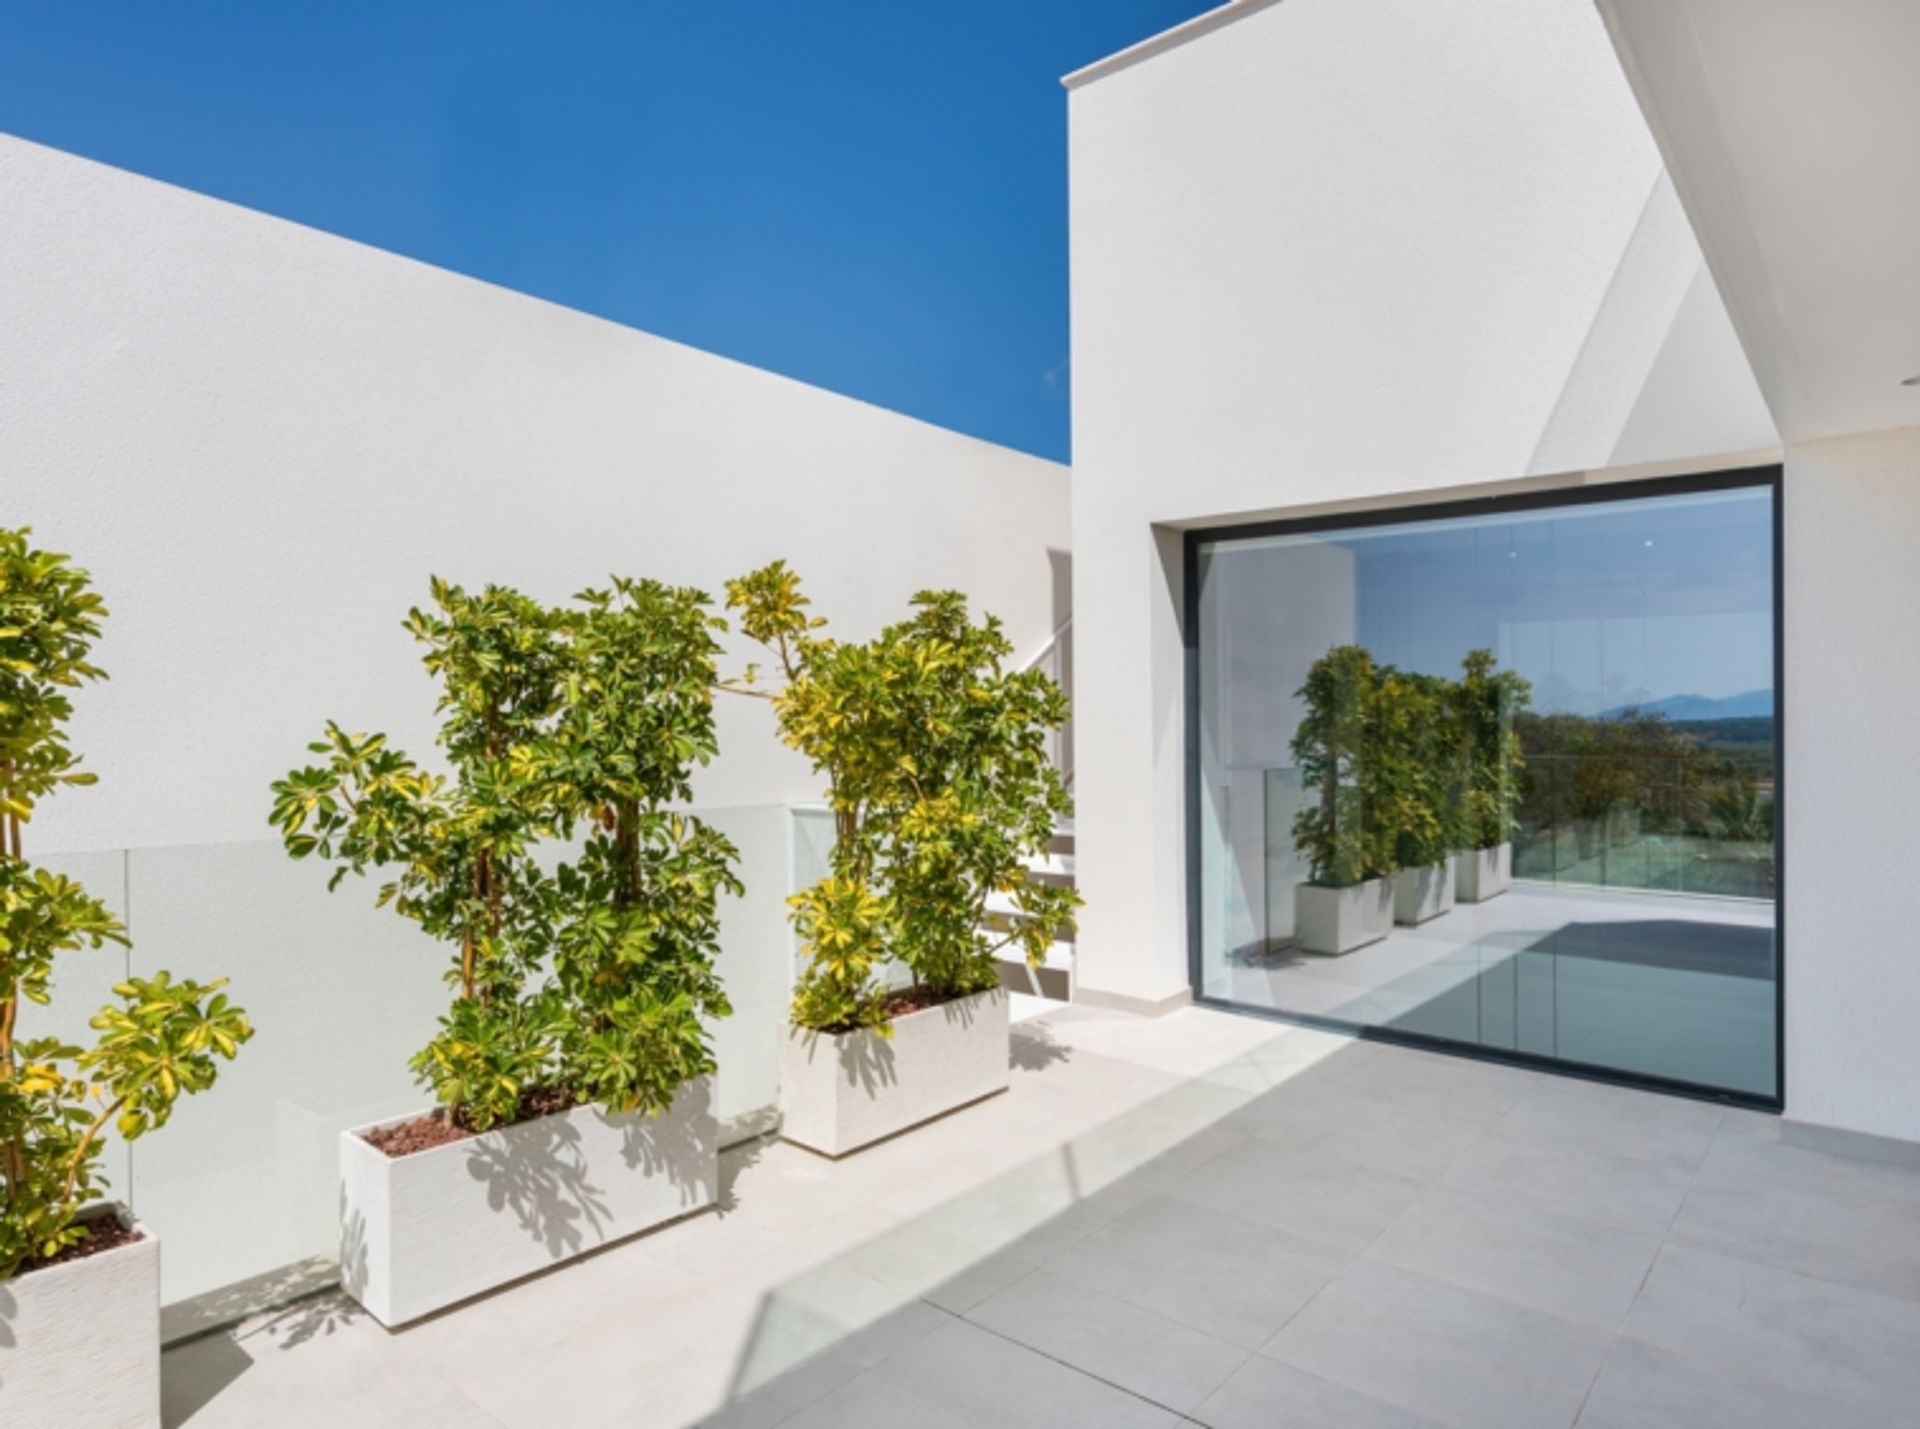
(242, 1186)
(1571, 852)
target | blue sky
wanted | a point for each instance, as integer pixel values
(870, 196)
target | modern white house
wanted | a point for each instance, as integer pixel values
(1574, 342)
(1584, 335)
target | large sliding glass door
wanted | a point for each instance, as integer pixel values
(1502, 775)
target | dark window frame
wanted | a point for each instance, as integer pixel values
(1598, 494)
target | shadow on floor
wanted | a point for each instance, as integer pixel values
(807, 1342)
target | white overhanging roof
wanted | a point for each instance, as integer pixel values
(1165, 40)
(1790, 128)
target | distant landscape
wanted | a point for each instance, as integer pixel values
(1686, 709)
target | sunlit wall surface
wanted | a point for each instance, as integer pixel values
(1639, 931)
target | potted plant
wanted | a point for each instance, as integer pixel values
(1418, 770)
(572, 1068)
(79, 1277)
(941, 790)
(1487, 705)
(1347, 900)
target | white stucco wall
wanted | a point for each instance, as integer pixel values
(261, 439)
(1852, 527)
(1329, 253)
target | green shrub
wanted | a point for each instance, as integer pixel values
(164, 1038)
(941, 791)
(639, 925)
(591, 980)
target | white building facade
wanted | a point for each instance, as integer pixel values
(1339, 265)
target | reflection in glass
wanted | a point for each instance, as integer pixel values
(1606, 839)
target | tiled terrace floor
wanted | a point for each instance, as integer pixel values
(1201, 1219)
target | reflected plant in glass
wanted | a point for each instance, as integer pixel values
(1416, 766)
(941, 789)
(1338, 747)
(164, 1039)
(1487, 703)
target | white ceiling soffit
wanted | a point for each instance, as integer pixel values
(1792, 130)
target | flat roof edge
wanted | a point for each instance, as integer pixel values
(1203, 24)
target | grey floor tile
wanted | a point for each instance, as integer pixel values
(1521, 1253)
(1071, 1226)
(1227, 1277)
(1812, 1235)
(794, 1389)
(1645, 1385)
(964, 1375)
(1457, 1087)
(875, 1400)
(352, 1376)
(1740, 1161)
(1325, 1198)
(1609, 1188)
(1356, 1125)
(1647, 1125)
(1142, 1352)
(1456, 1355)
(959, 1293)
(1264, 1393)
(1822, 1339)
(655, 1371)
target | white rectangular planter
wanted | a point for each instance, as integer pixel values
(80, 1342)
(421, 1232)
(1484, 873)
(1338, 920)
(840, 1091)
(1422, 894)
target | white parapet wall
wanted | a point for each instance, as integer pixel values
(262, 439)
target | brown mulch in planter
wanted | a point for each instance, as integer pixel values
(900, 1002)
(99, 1234)
(441, 1128)
(918, 999)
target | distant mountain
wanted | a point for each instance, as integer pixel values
(1753, 704)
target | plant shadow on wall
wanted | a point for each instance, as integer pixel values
(592, 984)
(542, 1180)
(160, 1041)
(942, 791)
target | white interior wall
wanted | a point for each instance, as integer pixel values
(1269, 621)
(261, 439)
(1852, 526)
(1332, 254)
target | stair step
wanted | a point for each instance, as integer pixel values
(1052, 865)
(1001, 916)
(1053, 979)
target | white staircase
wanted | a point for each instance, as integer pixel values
(1053, 979)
